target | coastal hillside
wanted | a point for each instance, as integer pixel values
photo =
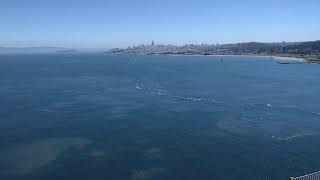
(307, 50)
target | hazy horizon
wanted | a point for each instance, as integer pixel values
(111, 24)
(147, 43)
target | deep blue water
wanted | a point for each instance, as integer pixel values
(122, 117)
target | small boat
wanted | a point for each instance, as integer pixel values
(290, 62)
(284, 63)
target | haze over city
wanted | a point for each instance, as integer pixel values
(122, 23)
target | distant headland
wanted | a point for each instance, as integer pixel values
(309, 51)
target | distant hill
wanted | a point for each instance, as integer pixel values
(30, 50)
(256, 46)
(313, 45)
(46, 50)
(283, 46)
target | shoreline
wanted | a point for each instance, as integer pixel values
(275, 57)
(283, 58)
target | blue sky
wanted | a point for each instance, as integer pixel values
(120, 23)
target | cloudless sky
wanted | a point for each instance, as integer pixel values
(120, 23)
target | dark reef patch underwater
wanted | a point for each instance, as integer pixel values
(95, 116)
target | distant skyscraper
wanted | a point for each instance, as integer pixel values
(152, 43)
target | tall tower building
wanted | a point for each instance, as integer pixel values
(152, 44)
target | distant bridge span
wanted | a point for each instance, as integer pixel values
(312, 176)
